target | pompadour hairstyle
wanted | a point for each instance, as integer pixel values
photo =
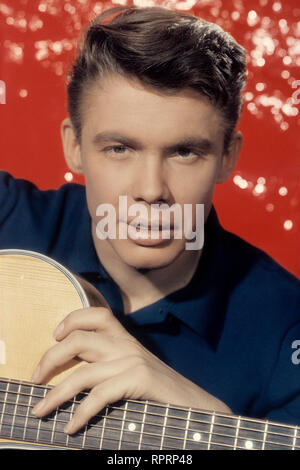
(164, 49)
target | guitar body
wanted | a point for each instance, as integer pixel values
(36, 294)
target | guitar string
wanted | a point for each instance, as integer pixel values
(109, 428)
(114, 418)
(74, 444)
(161, 405)
(151, 403)
(156, 414)
(95, 426)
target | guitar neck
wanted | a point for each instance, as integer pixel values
(136, 425)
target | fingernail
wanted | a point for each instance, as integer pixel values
(68, 428)
(58, 330)
(38, 407)
(35, 374)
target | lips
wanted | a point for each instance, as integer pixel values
(146, 225)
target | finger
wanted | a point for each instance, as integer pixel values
(108, 392)
(99, 319)
(86, 345)
(86, 377)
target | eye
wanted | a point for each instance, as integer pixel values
(186, 152)
(116, 149)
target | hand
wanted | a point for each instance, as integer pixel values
(117, 367)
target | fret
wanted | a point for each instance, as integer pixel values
(53, 426)
(236, 434)
(164, 427)
(294, 439)
(133, 426)
(142, 426)
(91, 434)
(69, 419)
(279, 437)
(122, 426)
(176, 428)
(15, 408)
(3, 396)
(59, 418)
(251, 435)
(224, 433)
(211, 430)
(28, 410)
(40, 421)
(111, 435)
(74, 440)
(153, 427)
(198, 432)
(103, 427)
(84, 436)
(30, 396)
(186, 428)
(265, 435)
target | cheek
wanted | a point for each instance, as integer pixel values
(97, 193)
(196, 187)
(101, 186)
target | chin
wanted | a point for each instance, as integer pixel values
(145, 258)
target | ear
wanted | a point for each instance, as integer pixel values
(229, 159)
(71, 147)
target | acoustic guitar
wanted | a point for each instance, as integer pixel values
(36, 293)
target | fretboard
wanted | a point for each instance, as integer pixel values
(136, 425)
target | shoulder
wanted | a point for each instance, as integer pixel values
(16, 193)
(262, 327)
(260, 285)
(31, 216)
(261, 266)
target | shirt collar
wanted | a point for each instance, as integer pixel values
(201, 304)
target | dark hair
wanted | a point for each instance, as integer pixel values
(164, 49)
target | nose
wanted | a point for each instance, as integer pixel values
(150, 181)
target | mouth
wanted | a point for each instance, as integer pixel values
(141, 227)
(145, 225)
(147, 234)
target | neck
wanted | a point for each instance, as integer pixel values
(142, 286)
(134, 424)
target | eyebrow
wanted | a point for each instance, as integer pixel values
(103, 137)
(195, 142)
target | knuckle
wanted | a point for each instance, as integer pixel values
(76, 335)
(45, 362)
(134, 348)
(96, 392)
(77, 338)
(141, 368)
(105, 316)
(71, 318)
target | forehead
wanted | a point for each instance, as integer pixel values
(128, 106)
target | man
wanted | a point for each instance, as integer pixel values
(154, 98)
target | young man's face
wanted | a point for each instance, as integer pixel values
(153, 148)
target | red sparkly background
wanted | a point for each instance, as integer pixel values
(261, 201)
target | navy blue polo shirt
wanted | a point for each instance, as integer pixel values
(230, 330)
